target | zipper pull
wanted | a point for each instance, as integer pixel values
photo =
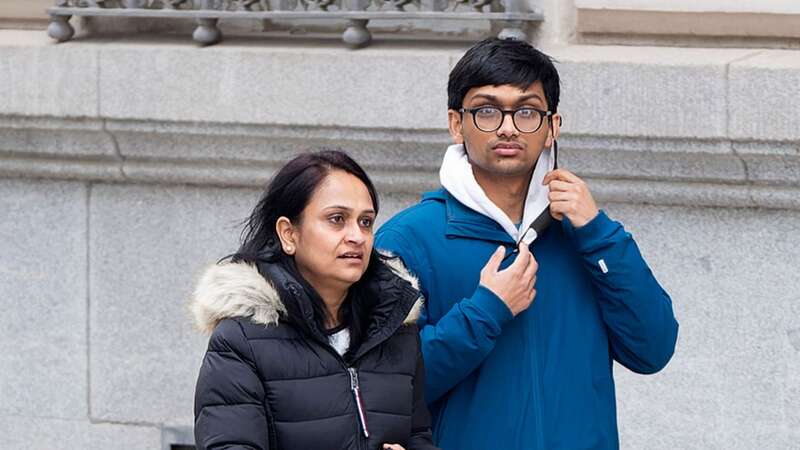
(362, 417)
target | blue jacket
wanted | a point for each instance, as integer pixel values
(543, 379)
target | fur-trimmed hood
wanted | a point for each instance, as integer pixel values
(238, 290)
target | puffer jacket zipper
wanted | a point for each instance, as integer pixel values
(356, 389)
(362, 430)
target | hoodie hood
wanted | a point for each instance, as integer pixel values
(457, 177)
(238, 290)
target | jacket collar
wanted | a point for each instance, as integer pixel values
(242, 290)
(466, 223)
(457, 177)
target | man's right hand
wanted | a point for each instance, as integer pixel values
(514, 284)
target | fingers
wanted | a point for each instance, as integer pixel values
(393, 447)
(556, 210)
(528, 277)
(561, 174)
(530, 272)
(523, 259)
(560, 208)
(558, 185)
(494, 262)
(560, 196)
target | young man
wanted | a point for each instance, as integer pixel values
(523, 319)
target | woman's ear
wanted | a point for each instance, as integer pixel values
(554, 131)
(286, 233)
(454, 126)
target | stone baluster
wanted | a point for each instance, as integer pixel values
(434, 5)
(512, 29)
(60, 28)
(173, 4)
(356, 34)
(207, 31)
(134, 4)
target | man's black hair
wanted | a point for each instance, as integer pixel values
(494, 62)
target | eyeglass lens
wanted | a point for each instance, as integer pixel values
(490, 119)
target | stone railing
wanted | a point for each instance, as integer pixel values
(511, 16)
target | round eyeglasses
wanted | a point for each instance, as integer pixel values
(490, 118)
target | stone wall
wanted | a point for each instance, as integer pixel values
(127, 164)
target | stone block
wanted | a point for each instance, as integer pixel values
(765, 96)
(773, 169)
(641, 91)
(276, 144)
(43, 263)
(657, 164)
(276, 84)
(733, 268)
(50, 136)
(148, 245)
(40, 78)
(60, 169)
(791, 393)
(679, 407)
(755, 397)
(27, 433)
(732, 277)
(748, 435)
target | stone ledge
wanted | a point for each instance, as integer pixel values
(723, 123)
(624, 91)
(632, 191)
(710, 172)
(764, 96)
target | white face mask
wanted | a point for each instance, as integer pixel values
(456, 176)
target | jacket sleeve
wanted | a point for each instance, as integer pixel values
(229, 412)
(635, 308)
(421, 438)
(460, 340)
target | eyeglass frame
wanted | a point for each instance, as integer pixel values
(542, 113)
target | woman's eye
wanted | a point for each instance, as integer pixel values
(366, 222)
(338, 218)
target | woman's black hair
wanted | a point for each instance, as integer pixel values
(495, 62)
(287, 195)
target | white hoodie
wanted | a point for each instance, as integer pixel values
(456, 176)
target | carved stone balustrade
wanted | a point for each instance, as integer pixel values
(510, 15)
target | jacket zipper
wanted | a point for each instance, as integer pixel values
(356, 389)
(362, 431)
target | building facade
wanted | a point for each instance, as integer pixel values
(129, 155)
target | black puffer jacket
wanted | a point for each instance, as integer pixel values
(265, 384)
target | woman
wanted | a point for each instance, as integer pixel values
(313, 343)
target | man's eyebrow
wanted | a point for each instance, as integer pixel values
(525, 98)
(519, 100)
(491, 98)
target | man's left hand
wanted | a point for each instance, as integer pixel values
(569, 196)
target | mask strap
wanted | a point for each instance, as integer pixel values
(555, 143)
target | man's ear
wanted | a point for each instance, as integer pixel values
(454, 126)
(554, 130)
(286, 233)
